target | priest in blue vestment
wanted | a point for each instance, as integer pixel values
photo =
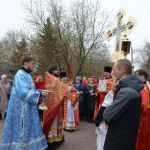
(22, 128)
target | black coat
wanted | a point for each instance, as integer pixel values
(90, 99)
(123, 116)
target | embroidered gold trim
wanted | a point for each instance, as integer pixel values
(69, 122)
(54, 138)
(70, 128)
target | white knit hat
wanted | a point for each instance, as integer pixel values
(3, 76)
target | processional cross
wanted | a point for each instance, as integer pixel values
(121, 27)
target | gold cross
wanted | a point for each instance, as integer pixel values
(120, 28)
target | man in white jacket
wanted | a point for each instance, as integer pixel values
(100, 123)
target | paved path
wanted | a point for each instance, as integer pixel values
(82, 139)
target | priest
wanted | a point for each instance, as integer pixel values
(101, 95)
(71, 111)
(22, 128)
(53, 117)
(143, 139)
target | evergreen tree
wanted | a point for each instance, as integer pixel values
(3, 60)
(21, 50)
(47, 50)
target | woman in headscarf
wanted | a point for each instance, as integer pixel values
(96, 80)
(81, 88)
(5, 89)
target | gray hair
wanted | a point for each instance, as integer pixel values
(79, 78)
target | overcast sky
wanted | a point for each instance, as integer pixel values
(11, 15)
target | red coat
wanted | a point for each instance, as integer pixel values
(101, 95)
(38, 86)
(143, 139)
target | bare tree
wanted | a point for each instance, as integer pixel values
(3, 60)
(8, 44)
(79, 28)
(38, 13)
(89, 22)
(143, 56)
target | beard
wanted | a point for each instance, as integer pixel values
(56, 75)
(64, 81)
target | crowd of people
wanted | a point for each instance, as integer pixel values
(120, 109)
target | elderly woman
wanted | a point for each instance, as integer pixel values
(5, 89)
(90, 93)
(81, 88)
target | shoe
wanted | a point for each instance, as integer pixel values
(92, 121)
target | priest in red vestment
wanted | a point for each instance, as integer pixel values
(143, 139)
(53, 117)
(71, 110)
(101, 95)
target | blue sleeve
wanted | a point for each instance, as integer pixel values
(75, 85)
(25, 91)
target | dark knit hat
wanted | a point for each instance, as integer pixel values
(107, 69)
(63, 74)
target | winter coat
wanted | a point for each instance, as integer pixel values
(123, 116)
(81, 88)
(90, 98)
(4, 87)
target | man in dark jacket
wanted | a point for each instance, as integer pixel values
(123, 116)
